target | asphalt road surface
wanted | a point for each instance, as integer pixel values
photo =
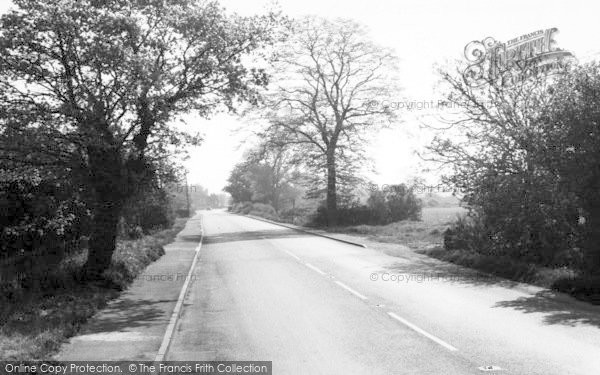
(317, 306)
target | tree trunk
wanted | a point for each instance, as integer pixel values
(331, 190)
(103, 239)
(592, 243)
(107, 180)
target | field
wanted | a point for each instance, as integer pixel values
(441, 215)
(424, 234)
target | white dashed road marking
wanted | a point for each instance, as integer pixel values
(350, 290)
(292, 255)
(424, 333)
(314, 268)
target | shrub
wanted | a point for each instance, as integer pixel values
(378, 210)
(257, 209)
(521, 219)
(395, 203)
(586, 288)
(264, 210)
(468, 233)
(402, 204)
(150, 210)
(243, 208)
(297, 215)
(40, 213)
(42, 221)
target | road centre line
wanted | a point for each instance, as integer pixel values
(292, 255)
(350, 290)
(424, 333)
(314, 268)
(391, 314)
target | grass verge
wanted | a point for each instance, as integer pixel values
(418, 235)
(561, 279)
(501, 266)
(34, 323)
(426, 237)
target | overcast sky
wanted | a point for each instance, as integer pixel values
(422, 33)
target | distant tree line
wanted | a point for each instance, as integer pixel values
(277, 187)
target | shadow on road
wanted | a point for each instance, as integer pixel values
(557, 310)
(253, 235)
(193, 238)
(425, 269)
(127, 314)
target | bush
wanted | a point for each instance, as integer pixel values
(469, 233)
(264, 210)
(585, 288)
(402, 204)
(40, 213)
(297, 215)
(42, 221)
(522, 220)
(257, 209)
(395, 203)
(131, 258)
(532, 173)
(243, 208)
(148, 211)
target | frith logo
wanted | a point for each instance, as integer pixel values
(505, 63)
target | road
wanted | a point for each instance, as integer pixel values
(318, 306)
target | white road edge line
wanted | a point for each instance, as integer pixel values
(292, 255)
(426, 334)
(350, 290)
(314, 268)
(164, 346)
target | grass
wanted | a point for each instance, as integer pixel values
(560, 279)
(418, 235)
(501, 266)
(256, 209)
(34, 323)
(427, 237)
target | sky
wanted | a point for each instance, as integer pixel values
(423, 33)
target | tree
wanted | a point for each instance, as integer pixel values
(93, 86)
(502, 149)
(402, 203)
(239, 184)
(572, 128)
(267, 176)
(326, 75)
(394, 203)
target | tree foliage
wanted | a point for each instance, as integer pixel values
(525, 155)
(268, 175)
(326, 74)
(94, 86)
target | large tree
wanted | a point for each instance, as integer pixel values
(327, 74)
(523, 148)
(573, 151)
(268, 175)
(94, 86)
